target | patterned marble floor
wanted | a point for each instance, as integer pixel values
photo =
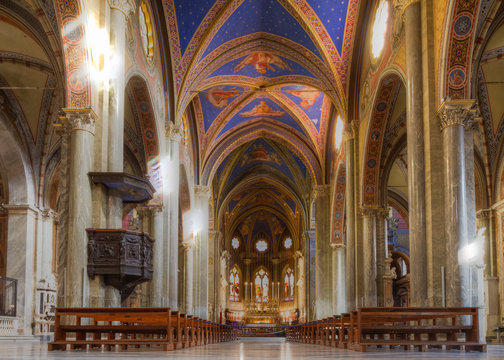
(261, 349)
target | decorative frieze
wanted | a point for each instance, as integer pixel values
(457, 112)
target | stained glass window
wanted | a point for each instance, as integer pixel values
(261, 246)
(289, 284)
(235, 243)
(261, 283)
(288, 243)
(234, 285)
(379, 28)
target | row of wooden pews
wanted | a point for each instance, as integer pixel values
(379, 327)
(78, 328)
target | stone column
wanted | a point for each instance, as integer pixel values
(300, 285)
(81, 123)
(158, 295)
(416, 158)
(455, 116)
(381, 251)
(339, 295)
(201, 197)
(45, 256)
(223, 283)
(323, 257)
(174, 135)
(350, 218)
(486, 219)
(20, 259)
(369, 251)
(189, 277)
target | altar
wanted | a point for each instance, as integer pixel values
(262, 312)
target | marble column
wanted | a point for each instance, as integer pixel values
(338, 265)
(81, 123)
(381, 253)
(189, 277)
(486, 219)
(369, 255)
(455, 116)
(323, 280)
(174, 135)
(201, 198)
(300, 285)
(158, 295)
(45, 242)
(20, 259)
(350, 218)
(416, 158)
(225, 257)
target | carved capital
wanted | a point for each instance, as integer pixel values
(155, 208)
(174, 132)
(320, 190)
(49, 214)
(77, 119)
(374, 211)
(484, 214)
(127, 7)
(457, 112)
(201, 190)
(348, 133)
(335, 246)
(298, 255)
(226, 255)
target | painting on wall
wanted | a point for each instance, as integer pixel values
(219, 96)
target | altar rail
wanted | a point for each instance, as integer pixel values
(412, 327)
(78, 328)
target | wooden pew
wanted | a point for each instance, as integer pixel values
(414, 327)
(78, 328)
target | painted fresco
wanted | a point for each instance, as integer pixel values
(214, 101)
(261, 64)
(309, 99)
(262, 107)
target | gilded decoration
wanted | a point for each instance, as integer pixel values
(457, 112)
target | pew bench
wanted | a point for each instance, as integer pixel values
(78, 328)
(421, 328)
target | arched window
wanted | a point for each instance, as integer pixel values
(379, 28)
(289, 285)
(234, 284)
(261, 286)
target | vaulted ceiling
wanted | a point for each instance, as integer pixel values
(263, 80)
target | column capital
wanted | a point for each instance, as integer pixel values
(76, 119)
(402, 5)
(127, 7)
(336, 246)
(457, 112)
(373, 210)
(320, 190)
(174, 132)
(202, 190)
(155, 208)
(226, 255)
(187, 244)
(350, 131)
(484, 214)
(298, 254)
(49, 214)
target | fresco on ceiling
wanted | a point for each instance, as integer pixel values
(235, 200)
(260, 152)
(262, 225)
(262, 107)
(214, 100)
(262, 16)
(309, 99)
(189, 16)
(244, 227)
(261, 64)
(332, 15)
